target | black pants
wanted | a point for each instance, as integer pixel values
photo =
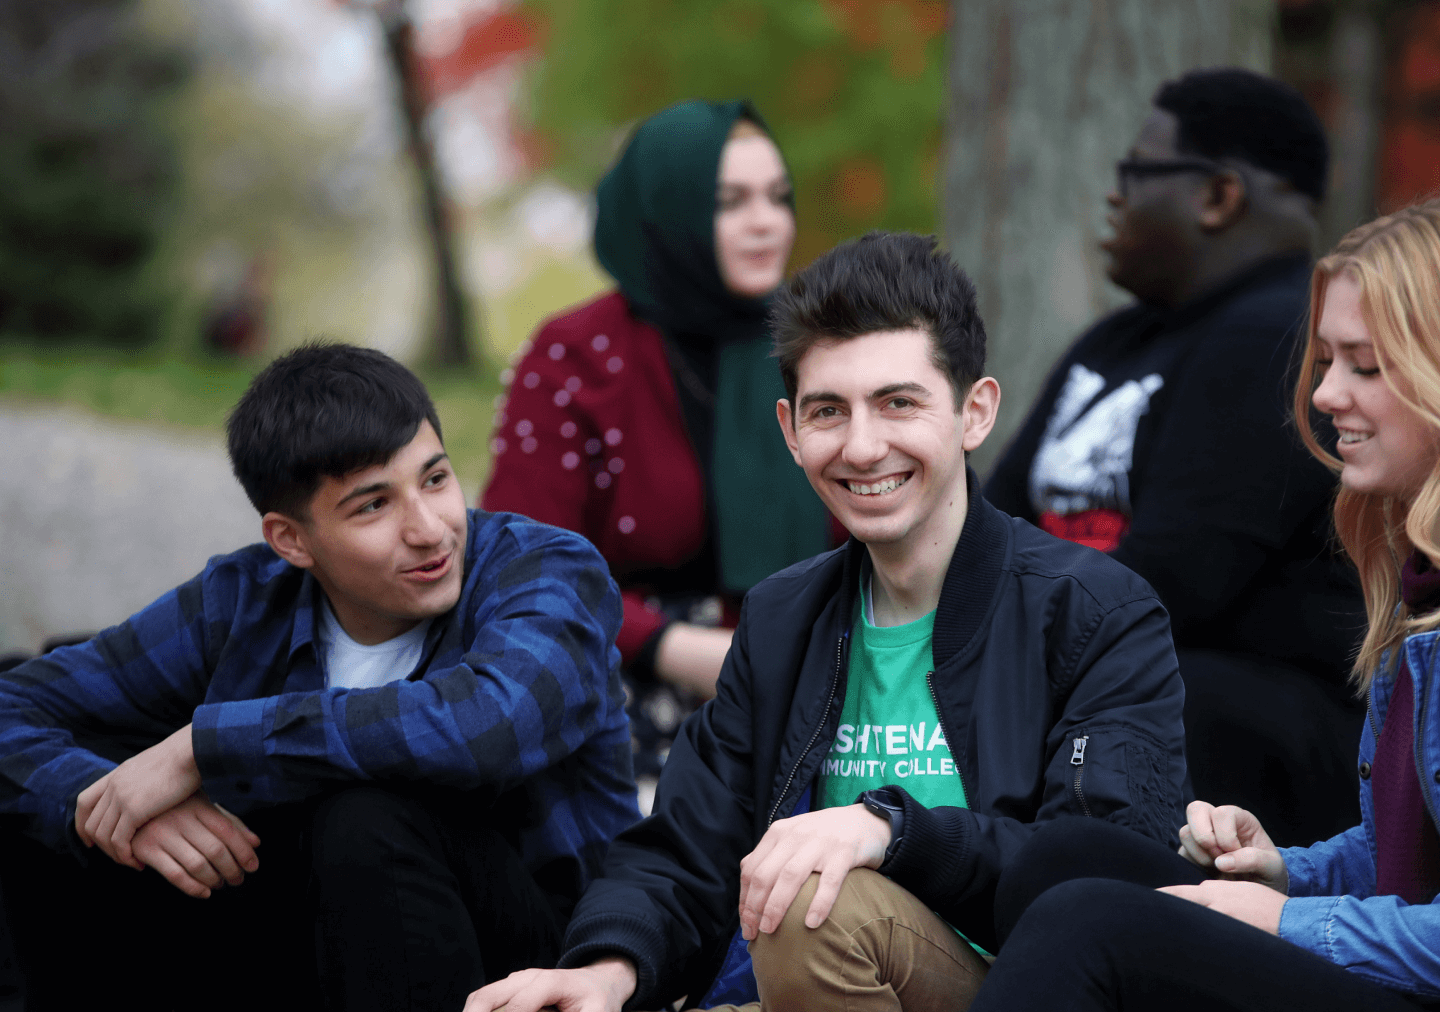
(1275, 740)
(1113, 942)
(373, 899)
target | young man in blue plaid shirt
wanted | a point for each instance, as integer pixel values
(414, 706)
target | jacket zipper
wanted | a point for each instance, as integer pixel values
(824, 715)
(940, 718)
(1077, 759)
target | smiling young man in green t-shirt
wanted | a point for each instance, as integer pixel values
(895, 717)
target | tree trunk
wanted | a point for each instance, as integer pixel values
(1357, 73)
(1044, 97)
(450, 347)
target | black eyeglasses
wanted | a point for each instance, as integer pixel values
(1137, 168)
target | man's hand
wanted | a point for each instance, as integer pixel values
(603, 986)
(110, 810)
(830, 841)
(1233, 842)
(1255, 904)
(197, 846)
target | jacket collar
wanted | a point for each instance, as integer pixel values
(970, 579)
(973, 575)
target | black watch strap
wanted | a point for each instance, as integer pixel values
(883, 802)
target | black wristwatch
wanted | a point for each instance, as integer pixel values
(884, 802)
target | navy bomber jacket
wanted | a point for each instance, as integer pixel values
(1038, 643)
(517, 700)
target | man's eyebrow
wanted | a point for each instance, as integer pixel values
(820, 395)
(371, 489)
(381, 486)
(899, 388)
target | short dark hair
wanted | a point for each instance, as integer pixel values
(1234, 113)
(321, 410)
(882, 281)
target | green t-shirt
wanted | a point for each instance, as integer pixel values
(889, 730)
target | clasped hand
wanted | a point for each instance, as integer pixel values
(110, 811)
(150, 810)
(197, 846)
(1253, 880)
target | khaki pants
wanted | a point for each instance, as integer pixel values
(880, 949)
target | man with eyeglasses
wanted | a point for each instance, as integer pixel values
(1162, 438)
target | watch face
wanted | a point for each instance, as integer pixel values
(881, 805)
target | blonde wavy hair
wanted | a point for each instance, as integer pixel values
(1395, 260)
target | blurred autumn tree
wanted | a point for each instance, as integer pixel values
(852, 90)
(86, 172)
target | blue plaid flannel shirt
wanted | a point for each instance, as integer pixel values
(518, 689)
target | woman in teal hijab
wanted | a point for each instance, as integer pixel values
(646, 419)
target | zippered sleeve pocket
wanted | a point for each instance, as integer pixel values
(1115, 773)
(1077, 760)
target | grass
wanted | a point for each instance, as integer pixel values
(196, 393)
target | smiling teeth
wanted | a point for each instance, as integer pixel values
(879, 488)
(1354, 437)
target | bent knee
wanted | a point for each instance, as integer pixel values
(355, 826)
(1098, 907)
(864, 896)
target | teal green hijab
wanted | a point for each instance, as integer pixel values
(655, 235)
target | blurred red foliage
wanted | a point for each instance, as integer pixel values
(869, 22)
(859, 187)
(486, 42)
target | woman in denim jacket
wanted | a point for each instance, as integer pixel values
(1352, 922)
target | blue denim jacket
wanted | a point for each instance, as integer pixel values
(1333, 910)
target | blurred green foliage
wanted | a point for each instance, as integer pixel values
(143, 387)
(86, 169)
(851, 89)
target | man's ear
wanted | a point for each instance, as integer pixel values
(1223, 199)
(982, 405)
(288, 537)
(786, 418)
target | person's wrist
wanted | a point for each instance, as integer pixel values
(619, 975)
(182, 750)
(885, 804)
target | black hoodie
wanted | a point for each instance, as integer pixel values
(1229, 514)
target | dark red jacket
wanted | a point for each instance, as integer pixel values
(591, 439)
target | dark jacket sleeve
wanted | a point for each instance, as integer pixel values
(670, 891)
(1117, 688)
(1226, 482)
